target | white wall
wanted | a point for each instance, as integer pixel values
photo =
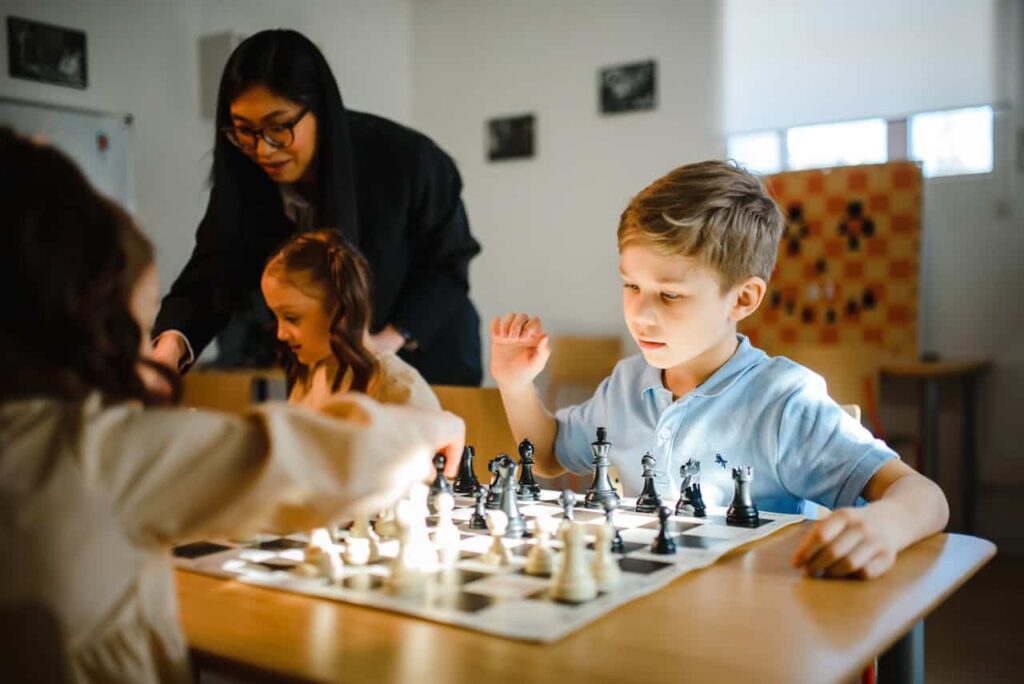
(791, 62)
(548, 224)
(143, 59)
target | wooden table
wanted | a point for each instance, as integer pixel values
(750, 617)
(929, 374)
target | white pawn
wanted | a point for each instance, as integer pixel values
(606, 569)
(541, 561)
(573, 583)
(386, 527)
(362, 532)
(446, 537)
(408, 569)
(324, 554)
(497, 522)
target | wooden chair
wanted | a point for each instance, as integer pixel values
(230, 391)
(487, 428)
(579, 361)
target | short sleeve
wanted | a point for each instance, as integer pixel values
(576, 426)
(824, 454)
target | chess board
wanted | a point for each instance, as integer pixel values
(503, 601)
(848, 264)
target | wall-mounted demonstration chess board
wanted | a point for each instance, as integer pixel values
(496, 599)
(849, 261)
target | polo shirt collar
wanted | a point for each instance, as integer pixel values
(743, 359)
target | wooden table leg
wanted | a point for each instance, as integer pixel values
(904, 662)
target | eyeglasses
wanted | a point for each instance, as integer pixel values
(276, 135)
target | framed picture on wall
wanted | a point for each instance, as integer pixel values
(42, 52)
(510, 137)
(628, 87)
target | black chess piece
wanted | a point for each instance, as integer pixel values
(494, 492)
(663, 543)
(648, 501)
(602, 484)
(466, 482)
(567, 499)
(440, 483)
(478, 521)
(691, 501)
(610, 505)
(529, 490)
(743, 512)
(507, 469)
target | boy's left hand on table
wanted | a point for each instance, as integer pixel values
(851, 542)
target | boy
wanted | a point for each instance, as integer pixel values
(697, 247)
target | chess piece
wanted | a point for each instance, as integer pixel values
(516, 526)
(494, 492)
(663, 543)
(408, 569)
(607, 573)
(529, 490)
(446, 536)
(386, 526)
(742, 512)
(323, 554)
(574, 581)
(440, 484)
(648, 501)
(541, 560)
(361, 531)
(567, 499)
(478, 521)
(602, 484)
(691, 501)
(610, 505)
(498, 553)
(466, 482)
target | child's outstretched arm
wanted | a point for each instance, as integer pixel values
(863, 542)
(519, 351)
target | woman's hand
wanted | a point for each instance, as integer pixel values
(388, 340)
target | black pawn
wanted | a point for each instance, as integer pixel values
(529, 490)
(648, 501)
(568, 502)
(495, 490)
(466, 482)
(478, 521)
(610, 504)
(440, 484)
(663, 543)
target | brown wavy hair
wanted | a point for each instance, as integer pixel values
(325, 260)
(71, 259)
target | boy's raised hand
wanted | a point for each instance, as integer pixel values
(519, 349)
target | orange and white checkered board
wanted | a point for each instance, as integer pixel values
(849, 260)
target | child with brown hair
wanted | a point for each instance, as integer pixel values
(697, 248)
(94, 486)
(318, 287)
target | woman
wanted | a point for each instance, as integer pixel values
(288, 157)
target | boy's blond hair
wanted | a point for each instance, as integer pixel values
(712, 210)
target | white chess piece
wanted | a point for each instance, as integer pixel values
(573, 583)
(497, 522)
(541, 561)
(386, 527)
(361, 530)
(607, 573)
(324, 554)
(408, 569)
(446, 537)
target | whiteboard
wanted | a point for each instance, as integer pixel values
(99, 142)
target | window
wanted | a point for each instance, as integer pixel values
(838, 144)
(953, 142)
(757, 152)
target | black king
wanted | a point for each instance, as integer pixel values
(602, 487)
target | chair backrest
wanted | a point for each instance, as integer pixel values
(580, 360)
(487, 428)
(231, 391)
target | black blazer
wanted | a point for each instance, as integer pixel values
(412, 228)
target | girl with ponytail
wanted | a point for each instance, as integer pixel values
(318, 287)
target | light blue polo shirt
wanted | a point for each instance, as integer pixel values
(767, 412)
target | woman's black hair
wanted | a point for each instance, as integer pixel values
(290, 66)
(71, 259)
